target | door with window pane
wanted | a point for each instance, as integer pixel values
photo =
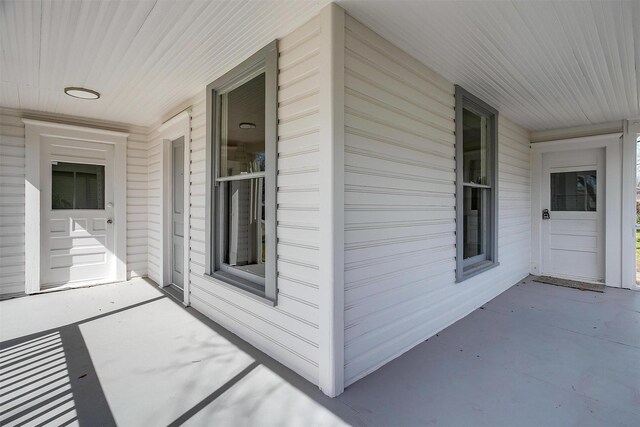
(77, 230)
(573, 235)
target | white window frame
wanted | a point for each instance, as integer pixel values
(263, 61)
(483, 262)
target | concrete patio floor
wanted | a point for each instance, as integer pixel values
(128, 354)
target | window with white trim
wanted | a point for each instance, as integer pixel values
(476, 185)
(241, 175)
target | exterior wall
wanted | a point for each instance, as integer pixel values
(154, 207)
(289, 331)
(12, 176)
(137, 212)
(11, 204)
(400, 205)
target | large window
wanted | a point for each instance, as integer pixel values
(476, 185)
(241, 156)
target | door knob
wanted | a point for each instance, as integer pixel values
(109, 221)
(545, 214)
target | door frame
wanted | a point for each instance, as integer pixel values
(631, 132)
(174, 128)
(612, 145)
(35, 130)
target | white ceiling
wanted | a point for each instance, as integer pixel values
(542, 64)
(145, 57)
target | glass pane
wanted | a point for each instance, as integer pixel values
(242, 130)
(62, 189)
(574, 191)
(77, 186)
(475, 216)
(475, 148)
(244, 215)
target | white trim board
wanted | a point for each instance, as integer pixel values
(331, 323)
(174, 128)
(34, 131)
(631, 132)
(613, 193)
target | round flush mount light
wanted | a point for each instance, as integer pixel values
(82, 93)
(245, 125)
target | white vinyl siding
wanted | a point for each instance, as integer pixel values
(400, 205)
(12, 176)
(154, 207)
(289, 331)
(11, 203)
(137, 206)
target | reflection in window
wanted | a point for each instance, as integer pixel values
(77, 186)
(475, 148)
(477, 186)
(475, 221)
(244, 247)
(242, 179)
(242, 128)
(574, 191)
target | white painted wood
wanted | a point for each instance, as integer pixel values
(562, 65)
(76, 245)
(613, 219)
(629, 155)
(32, 184)
(400, 205)
(567, 64)
(36, 131)
(573, 243)
(331, 157)
(177, 207)
(144, 57)
(12, 196)
(577, 132)
(161, 198)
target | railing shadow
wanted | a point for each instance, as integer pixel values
(49, 378)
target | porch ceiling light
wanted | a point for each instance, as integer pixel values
(245, 125)
(82, 93)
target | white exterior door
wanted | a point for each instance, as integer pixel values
(177, 220)
(573, 226)
(77, 217)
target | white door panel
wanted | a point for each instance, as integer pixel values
(573, 190)
(77, 240)
(177, 217)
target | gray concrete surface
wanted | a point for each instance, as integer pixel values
(127, 354)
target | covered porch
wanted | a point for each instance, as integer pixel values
(130, 354)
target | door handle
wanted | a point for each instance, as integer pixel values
(545, 214)
(109, 221)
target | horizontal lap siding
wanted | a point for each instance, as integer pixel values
(288, 332)
(400, 205)
(12, 204)
(137, 205)
(154, 207)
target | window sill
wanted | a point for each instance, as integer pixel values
(239, 285)
(476, 269)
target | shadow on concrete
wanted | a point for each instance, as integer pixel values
(48, 377)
